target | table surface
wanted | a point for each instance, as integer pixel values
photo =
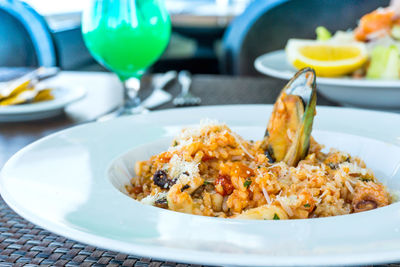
(24, 243)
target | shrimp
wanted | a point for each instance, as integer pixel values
(378, 21)
(370, 197)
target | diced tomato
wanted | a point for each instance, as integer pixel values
(165, 157)
(137, 189)
(206, 158)
(223, 185)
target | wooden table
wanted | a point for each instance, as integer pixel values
(24, 243)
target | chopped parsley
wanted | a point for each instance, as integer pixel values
(206, 183)
(306, 205)
(247, 183)
(175, 143)
(258, 167)
(365, 179)
(276, 217)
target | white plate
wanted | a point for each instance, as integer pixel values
(378, 94)
(41, 110)
(70, 183)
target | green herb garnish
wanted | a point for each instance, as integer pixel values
(247, 183)
(307, 205)
(323, 33)
(175, 143)
(206, 183)
(276, 217)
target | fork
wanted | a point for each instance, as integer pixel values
(185, 98)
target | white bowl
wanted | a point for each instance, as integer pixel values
(376, 94)
(72, 183)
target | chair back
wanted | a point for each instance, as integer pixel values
(25, 38)
(266, 25)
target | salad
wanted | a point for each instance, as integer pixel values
(372, 50)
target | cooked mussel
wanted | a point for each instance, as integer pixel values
(287, 137)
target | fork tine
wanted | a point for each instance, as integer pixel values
(185, 98)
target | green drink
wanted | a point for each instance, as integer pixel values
(126, 36)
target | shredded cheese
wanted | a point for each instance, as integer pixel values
(321, 196)
(151, 199)
(353, 168)
(348, 185)
(265, 192)
(183, 170)
(282, 201)
(241, 145)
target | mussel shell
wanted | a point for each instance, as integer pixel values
(302, 85)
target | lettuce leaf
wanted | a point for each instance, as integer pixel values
(385, 63)
(323, 34)
(395, 32)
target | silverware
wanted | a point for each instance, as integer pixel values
(29, 80)
(156, 98)
(185, 98)
(159, 96)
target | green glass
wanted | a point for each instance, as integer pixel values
(127, 37)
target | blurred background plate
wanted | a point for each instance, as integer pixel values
(46, 109)
(377, 94)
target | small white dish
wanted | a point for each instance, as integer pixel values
(72, 183)
(376, 94)
(41, 110)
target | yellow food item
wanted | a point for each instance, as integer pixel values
(43, 95)
(19, 98)
(28, 95)
(329, 59)
(10, 91)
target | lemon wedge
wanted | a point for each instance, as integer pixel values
(328, 59)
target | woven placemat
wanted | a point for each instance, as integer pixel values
(24, 244)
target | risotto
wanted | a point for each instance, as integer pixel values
(212, 171)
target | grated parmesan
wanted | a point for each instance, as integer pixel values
(265, 192)
(321, 196)
(241, 145)
(353, 168)
(196, 131)
(348, 185)
(282, 201)
(179, 169)
(151, 199)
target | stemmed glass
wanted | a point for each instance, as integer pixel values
(127, 37)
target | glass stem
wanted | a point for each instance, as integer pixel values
(131, 97)
(131, 90)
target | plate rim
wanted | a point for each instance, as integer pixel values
(74, 93)
(288, 74)
(171, 253)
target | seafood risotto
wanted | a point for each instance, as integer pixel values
(210, 170)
